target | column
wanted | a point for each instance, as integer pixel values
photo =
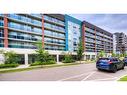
(83, 36)
(57, 58)
(5, 31)
(43, 31)
(26, 59)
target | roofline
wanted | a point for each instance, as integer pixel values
(94, 26)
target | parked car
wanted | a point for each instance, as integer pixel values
(125, 61)
(110, 64)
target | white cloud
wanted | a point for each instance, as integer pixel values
(110, 22)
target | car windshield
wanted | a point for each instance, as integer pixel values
(103, 59)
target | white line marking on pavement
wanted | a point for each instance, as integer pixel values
(88, 76)
(108, 75)
(73, 76)
(104, 79)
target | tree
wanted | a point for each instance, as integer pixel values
(80, 51)
(42, 55)
(11, 57)
(101, 54)
(68, 58)
(113, 54)
(2, 51)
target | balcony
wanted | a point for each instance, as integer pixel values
(25, 20)
(21, 46)
(54, 28)
(25, 28)
(53, 20)
(37, 15)
(22, 38)
(1, 23)
(1, 45)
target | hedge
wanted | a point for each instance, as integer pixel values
(8, 65)
(43, 63)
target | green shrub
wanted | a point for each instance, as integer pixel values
(43, 63)
(51, 62)
(11, 57)
(12, 65)
(68, 58)
(35, 63)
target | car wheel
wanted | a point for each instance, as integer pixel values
(114, 69)
(123, 66)
(99, 69)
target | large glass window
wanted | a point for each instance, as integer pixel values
(53, 20)
(15, 44)
(23, 36)
(25, 19)
(1, 33)
(1, 22)
(54, 27)
(73, 35)
(1, 43)
(24, 27)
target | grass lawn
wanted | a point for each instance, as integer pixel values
(123, 78)
(38, 67)
(88, 61)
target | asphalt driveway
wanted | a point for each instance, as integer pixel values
(82, 72)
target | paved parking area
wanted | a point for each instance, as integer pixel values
(82, 72)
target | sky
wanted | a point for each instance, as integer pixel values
(109, 22)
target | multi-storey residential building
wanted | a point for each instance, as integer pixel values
(59, 34)
(95, 40)
(120, 41)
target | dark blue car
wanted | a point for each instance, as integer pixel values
(125, 61)
(110, 64)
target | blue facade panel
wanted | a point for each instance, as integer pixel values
(74, 20)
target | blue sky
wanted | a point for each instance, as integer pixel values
(110, 22)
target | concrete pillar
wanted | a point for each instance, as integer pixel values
(57, 58)
(90, 57)
(26, 59)
(2, 59)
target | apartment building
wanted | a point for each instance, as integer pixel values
(59, 34)
(95, 40)
(120, 41)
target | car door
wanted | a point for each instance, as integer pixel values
(120, 64)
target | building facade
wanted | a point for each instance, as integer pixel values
(59, 34)
(120, 41)
(95, 40)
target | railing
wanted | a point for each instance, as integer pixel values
(23, 38)
(1, 23)
(50, 19)
(54, 27)
(25, 19)
(21, 46)
(1, 45)
(26, 28)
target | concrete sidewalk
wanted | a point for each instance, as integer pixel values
(19, 67)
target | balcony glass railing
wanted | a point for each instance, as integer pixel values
(53, 20)
(24, 27)
(22, 46)
(1, 35)
(54, 48)
(1, 45)
(37, 15)
(1, 14)
(54, 34)
(25, 19)
(57, 28)
(23, 38)
(1, 23)
(55, 42)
